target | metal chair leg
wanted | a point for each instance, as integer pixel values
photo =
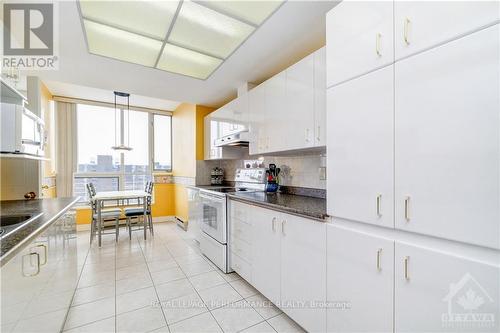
(129, 228)
(117, 228)
(99, 230)
(145, 225)
(150, 219)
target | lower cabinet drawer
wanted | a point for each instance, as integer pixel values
(241, 230)
(240, 248)
(239, 211)
(241, 266)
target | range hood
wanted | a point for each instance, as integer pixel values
(239, 139)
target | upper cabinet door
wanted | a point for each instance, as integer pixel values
(360, 149)
(320, 97)
(256, 118)
(447, 140)
(360, 270)
(439, 292)
(276, 113)
(359, 39)
(299, 121)
(420, 25)
(303, 271)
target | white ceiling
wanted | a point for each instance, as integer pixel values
(295, 30)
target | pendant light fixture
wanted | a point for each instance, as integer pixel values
(122, 146)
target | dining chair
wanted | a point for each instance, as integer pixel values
(107, 214)
(137, 212)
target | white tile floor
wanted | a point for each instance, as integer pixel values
(164, 284)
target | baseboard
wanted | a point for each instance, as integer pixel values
(83, 227)
(181, 224)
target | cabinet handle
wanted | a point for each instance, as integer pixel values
(283, 228)
(319, 135)
(406, 269)
(407, 208)
(30, 255)
(274, 224)
(378, 36)
(307, 134)
(406, 29)
(379, 252)
(379, 203)
(44, 252)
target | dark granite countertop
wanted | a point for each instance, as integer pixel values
(51, 210)
(309, 207)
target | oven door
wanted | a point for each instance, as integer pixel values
(213, 216)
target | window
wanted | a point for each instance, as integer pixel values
(149, 136)
(162, 142)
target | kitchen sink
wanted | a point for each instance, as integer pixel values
(7, 220)
(11, 222)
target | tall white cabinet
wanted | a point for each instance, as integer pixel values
(447, 140)
(414, 166)
(361, 149)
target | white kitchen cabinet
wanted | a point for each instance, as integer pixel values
(360, 149)
(447, 140)
(287, 261)
(303, 271)
(266, 252)
(320, 97)
(277, 128)
(257, 119)
(41, 279)
(359, 39)
(360, 272)
(419, 25)
(433, 287)
(232, 116)
(299, 128)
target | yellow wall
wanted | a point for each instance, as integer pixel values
(188, 145)
(183, 141)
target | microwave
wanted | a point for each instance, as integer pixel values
(22, 131)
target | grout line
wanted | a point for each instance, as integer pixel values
(154, 285)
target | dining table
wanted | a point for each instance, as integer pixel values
(120, 197)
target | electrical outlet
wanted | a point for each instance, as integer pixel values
(322, 173)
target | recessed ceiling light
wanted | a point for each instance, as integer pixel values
(208, 31)
(254, 12)
(119, 44)
(180, 60)
(185, 37)
(150, 18)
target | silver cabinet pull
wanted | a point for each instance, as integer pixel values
(379, 253)
(378, 36)
(406, 31)
(45, 252)
(30, 255)
(283, 228)
(406, 268)
(379, 203)
(319, 135)
(307, 134)
(407, 208)
(274, 224)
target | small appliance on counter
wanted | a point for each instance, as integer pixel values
(216, 176)
(272, 177)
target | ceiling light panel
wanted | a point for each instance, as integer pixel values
(151, 18)
(119, 44)
(203, 29)
(180, 60)
(254, 12)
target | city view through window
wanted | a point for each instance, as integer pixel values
(99, 128)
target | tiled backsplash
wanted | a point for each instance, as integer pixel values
(299, 171)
